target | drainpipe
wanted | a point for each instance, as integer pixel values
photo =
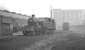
(1, 25)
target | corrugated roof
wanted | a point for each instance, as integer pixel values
(13, 14)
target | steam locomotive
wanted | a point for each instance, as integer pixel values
(42, 26)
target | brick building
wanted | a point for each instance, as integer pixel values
(6, 25)
(8, 20)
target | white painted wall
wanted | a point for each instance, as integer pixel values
(74, 17)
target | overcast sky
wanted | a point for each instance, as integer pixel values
(40, 7)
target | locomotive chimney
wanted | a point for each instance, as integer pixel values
(33, 15)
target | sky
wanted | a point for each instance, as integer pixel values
(41, 8)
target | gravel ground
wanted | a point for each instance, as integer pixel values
(63, 41)
(57, 41)
(20, 42)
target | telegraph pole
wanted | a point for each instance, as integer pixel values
(51, 12)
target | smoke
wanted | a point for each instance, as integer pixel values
(3, 7)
